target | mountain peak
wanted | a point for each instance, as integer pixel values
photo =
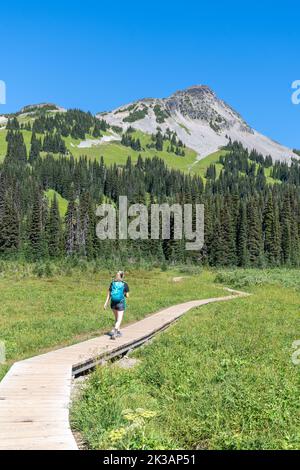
(201, 120)
(199, 102)
(46, 106)
(199, 89)
(195, 90)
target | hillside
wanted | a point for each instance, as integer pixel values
(202, 122)
(96, 139)
(93, 140)
(200, 119)
(58, 166)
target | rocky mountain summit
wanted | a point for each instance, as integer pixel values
(201, 103)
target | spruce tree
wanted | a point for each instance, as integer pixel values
(71, 227)
(271, 233)
(34, 153)
(36, 234)
(242, 248)
(54, 230)
(254, 232)
(9, 225)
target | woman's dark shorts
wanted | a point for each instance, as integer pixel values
(118, 306)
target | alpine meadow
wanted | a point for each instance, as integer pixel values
(149, 231)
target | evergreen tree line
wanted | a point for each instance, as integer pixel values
(287, 173)
(247, 221)
(16, 148)
(243, 153)
(175, 145)
(129, 141)
(74, 123)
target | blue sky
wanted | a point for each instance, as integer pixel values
(98, 55)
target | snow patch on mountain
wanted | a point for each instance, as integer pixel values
(88, 143)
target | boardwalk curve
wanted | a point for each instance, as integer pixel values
(35, 393)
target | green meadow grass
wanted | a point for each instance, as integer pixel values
(201, 166)
(220, 378)
(115, 153)
(3, 144)
(62, 202)
(41, 313)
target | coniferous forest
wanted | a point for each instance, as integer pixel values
(248, 220)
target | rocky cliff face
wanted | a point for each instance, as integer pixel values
(202, 121)
(201, 103)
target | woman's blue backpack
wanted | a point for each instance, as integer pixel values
(117, 291)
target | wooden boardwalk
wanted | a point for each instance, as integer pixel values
(35, 393)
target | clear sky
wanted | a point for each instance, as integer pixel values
(97, 55)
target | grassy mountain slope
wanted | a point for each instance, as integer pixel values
(62, 202)
(114, 152)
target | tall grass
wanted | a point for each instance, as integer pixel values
(47, 305)
(221, 378)
(259, 277)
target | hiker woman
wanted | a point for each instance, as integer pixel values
(117, 292)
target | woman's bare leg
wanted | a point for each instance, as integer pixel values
(116, 315)
(119, 319)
